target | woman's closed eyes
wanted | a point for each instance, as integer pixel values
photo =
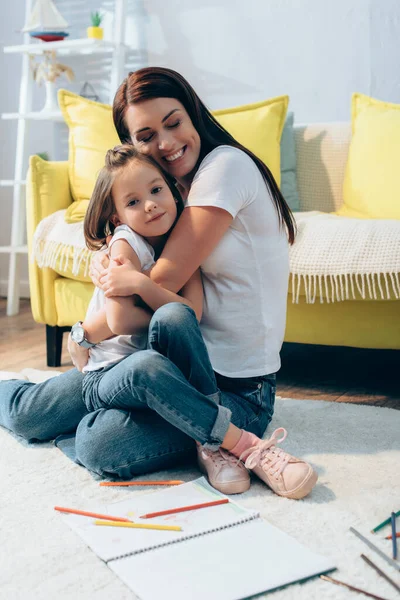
(148, 138)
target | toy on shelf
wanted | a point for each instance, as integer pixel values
(45, 22)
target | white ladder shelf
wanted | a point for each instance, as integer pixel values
(26, 119)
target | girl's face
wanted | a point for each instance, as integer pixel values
(162, 128)
(143, 200)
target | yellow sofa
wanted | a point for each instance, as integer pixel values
(59, 301)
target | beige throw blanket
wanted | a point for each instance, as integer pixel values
(332, 259)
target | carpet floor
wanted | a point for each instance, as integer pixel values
(355, 450)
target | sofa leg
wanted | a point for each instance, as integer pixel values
(54, 337)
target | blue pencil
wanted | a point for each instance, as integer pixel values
(394, 538)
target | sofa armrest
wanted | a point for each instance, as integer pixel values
(47, 191)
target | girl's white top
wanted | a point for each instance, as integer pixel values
(245, 278)
(115, 349)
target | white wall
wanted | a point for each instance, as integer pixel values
(232, 52)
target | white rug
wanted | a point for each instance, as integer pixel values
(355, 449)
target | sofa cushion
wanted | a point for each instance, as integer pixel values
(91, 133)
(259, 128)
(76, 211)
(372, 180)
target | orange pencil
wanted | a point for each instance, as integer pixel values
(84, 513)
(389, 537)
(126, 483)
(184, 508)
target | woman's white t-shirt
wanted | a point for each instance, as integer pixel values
(245, 278)
(113, 350)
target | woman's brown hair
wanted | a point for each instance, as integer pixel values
(97, 224)
(160, 82)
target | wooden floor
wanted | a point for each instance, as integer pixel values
(311, 372)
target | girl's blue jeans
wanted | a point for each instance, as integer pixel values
(144, 413)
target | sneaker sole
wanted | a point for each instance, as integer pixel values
(232, 487)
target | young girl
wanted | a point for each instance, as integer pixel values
(138, 204)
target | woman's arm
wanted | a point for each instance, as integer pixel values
(196, 234)
(198, 231)
(155, 296)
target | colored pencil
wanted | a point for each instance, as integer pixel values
(350, 587)
(381, 573)
(389, 537)
(394, 540)
(139, 525)
(385, 522)
(389, 560)
(85, 513)
(172, 511)
(126, 483)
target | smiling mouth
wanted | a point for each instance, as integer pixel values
(156, 217)
(176, 156)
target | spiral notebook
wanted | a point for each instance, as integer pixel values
(225, 552)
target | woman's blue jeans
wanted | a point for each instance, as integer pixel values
(144, 413)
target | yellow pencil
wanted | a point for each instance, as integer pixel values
(139, 525)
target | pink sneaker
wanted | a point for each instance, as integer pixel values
(224, 471)
(286, 475)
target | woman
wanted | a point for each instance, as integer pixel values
(235, 226)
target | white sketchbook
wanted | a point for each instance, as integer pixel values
(224, 552)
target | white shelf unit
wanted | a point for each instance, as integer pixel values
(26, 118)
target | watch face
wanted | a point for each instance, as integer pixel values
(78, 333)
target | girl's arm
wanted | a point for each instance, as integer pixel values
(123, 315)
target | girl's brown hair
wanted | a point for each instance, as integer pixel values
(160, 82)
(97, 224)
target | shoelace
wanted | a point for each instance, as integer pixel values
(267, 455)
(218, 456)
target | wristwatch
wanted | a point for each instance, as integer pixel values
(79, 337)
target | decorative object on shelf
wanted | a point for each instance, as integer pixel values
(95, 31)
(46, 23)
(88, 91)
(48, 71)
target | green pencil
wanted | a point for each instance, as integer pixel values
(386, 522)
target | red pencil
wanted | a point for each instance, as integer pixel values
(184, 508)
(126, 483)
(389, 537)
(84, 513)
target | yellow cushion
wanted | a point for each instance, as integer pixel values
(372, 180)
(91, 134)
(259, 128)
(76, 211)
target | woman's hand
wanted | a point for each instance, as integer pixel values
(99, 265)
(122, 278)
(78, 354)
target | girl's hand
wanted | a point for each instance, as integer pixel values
(99, 265)
(122, 278)
(78, 354)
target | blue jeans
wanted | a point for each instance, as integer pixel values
(144, 413)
